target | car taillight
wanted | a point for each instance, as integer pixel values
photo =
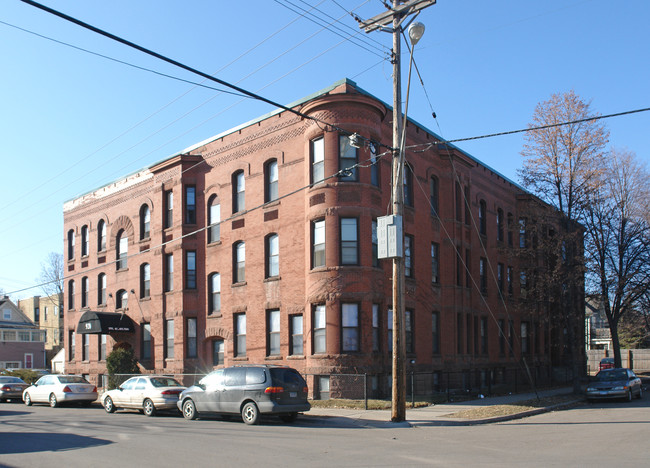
(94, 390)
(274, 390)
(171, 392)
(6, 388)
(67, 389)
(305, 389)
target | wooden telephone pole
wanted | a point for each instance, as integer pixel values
(392, 21)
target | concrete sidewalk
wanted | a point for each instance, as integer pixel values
(435, 415)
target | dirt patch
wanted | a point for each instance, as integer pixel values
(514, 408)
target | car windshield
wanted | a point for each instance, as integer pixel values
(612, 375)
(66, 379)
(164, 382)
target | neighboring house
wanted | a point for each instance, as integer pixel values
(58, 362)
(22, 344)
(200, 260)
(46, 312)
(598, 334)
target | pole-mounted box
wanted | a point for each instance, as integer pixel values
(389, 237)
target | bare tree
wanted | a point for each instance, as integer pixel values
(51, 277)
(562, 166)
(618, 240)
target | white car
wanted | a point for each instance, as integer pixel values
(147, 393)
(57, 389)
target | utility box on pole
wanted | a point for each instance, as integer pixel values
(389, 237)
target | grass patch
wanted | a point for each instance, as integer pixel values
(359, 404)
(514, 408)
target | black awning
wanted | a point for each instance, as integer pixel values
(105, 322)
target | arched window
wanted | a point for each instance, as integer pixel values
(482, 217)
(85, 240)
(122, 249)
(238, 192)
(272, 255)
(239, 262)
(101, 289)
(271, 180)
(145, 280)
(85, 287)
(145, 222)
(101, 236)
(433, 195)
(122, 299)
(214, 218)
(71, 244)
(71, 294)
(214, 293)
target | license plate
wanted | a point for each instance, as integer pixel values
(293, 394)
(603, 393)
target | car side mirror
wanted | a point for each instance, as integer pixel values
(201, 386)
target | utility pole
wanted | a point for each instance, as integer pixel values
(395, 17)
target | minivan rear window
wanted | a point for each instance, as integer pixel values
(287, 376)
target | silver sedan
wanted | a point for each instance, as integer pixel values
(146, 393)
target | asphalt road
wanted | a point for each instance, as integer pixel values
(601, 434)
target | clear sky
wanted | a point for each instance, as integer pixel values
(73, 121)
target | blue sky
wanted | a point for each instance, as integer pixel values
(73, 121)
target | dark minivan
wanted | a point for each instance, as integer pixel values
(250, 390)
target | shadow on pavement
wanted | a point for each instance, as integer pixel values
(30, 442)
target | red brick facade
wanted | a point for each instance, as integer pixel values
(468, 320)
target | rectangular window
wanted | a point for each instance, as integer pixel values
(318, 243)
(468, 266)
(169, 272)
(317, 160)
(522, 233)
(409, 329)
(350, 327)
(483, 275)
(191, 338)
(348, 158)
(511, 336)
(168, 209)
(190, 204)
(102, 347)
(409, 244)
(468, 333)
(296, 336)
(217, 353)
(500, 277)
(145, 280)
(374, 167)
(85, 347)
(523, 284)
(375, 327)
(375, 244)
(272, 256)
(389, 329)
(190, 269)
(239, 262)
(240, 335)
(502, 337)
(214, 292)
(435, 263)
(214, 218)
(459, 267)
(273, 332)
(319, 323)
(484, 335)
(71, 348)
(146, 341)
(169, 339)
(349, 241)
(525, 339)
(509, 280)
(435, 332)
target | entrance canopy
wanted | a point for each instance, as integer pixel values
(105, 322)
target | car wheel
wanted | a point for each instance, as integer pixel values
(53, 402)
(189, 409)
(108, 405)
(629, 395)
(28, 399)
(148, 408)
(640, 394)
(288, 417)
(250, 414)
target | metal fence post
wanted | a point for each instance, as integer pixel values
(365, 391)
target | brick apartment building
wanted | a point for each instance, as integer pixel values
(45, 312)
(242, 249)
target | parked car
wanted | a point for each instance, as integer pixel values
(56, 389)
(250, 391)
(615, 383)
(147, 393)
(606, 363)
(11, 388)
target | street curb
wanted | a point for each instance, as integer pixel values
(509, 417)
